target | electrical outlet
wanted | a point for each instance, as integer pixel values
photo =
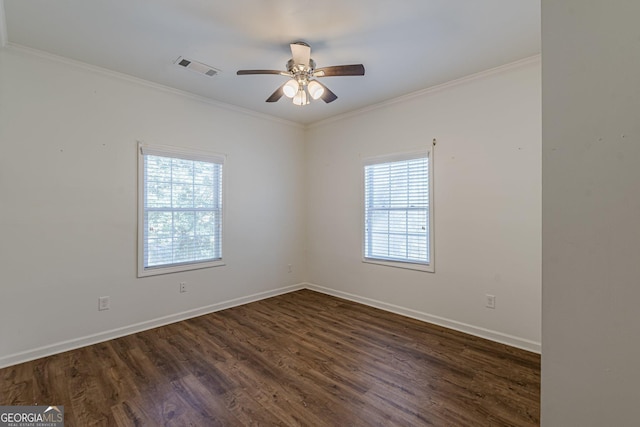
(290, 268)
(491, 301)
(183, 287)
(104, 303)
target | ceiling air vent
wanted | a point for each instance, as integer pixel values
(196, 66)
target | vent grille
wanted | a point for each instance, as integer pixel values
(196, 66)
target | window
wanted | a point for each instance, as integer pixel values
(180, 210)
(398, 220)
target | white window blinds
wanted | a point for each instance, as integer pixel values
(181, 209)
(397, 211)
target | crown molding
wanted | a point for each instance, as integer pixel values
(142, 82)
(536, 59)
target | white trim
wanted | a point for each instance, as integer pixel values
(126, 77)
(4, 36)
(121, 76)
(174, 268)
(48, 350)
(536, 59)
(395, 157)
(55, 348)
(477, 331)
(428, 268)
(182, 153)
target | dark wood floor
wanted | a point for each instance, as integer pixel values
(302, 358)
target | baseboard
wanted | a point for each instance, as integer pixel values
(510, 340)
(48, 350)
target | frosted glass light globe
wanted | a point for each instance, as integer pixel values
(300, 98)
(290, 89)
(315, 89)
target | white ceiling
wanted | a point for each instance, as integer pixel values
(405, 45)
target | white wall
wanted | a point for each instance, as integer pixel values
(68, 204)
(487, 204)
(591, 213)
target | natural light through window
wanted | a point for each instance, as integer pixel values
(180, 210)
(397, 211)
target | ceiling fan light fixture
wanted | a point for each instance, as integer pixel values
(315, 89)
(301, 71)
(291, 88)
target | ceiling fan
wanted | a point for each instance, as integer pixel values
(302, 73)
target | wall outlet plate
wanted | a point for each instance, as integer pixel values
(104, 303)
(491, 301)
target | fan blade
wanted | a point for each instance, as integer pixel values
(275, 96)
(340, 70)
(247, 72)
(301, 54)
(327, 95)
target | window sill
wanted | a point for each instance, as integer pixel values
(178, 268)
(428, 268)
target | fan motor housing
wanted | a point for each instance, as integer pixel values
(294, 68)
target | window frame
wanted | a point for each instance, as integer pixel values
(395, 157)
(180, 153)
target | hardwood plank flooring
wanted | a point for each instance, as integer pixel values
(299, 359)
